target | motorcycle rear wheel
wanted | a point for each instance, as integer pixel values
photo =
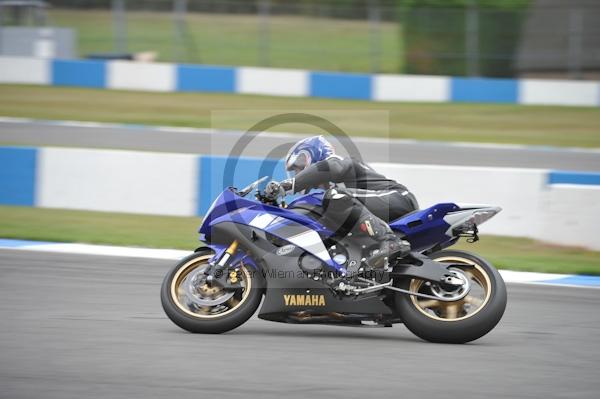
(461, 321)
(199, 308)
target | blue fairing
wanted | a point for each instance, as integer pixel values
(423, 229)
(231, 207)
(314, 199)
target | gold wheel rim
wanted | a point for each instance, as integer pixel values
(186, 269)
(462, 309)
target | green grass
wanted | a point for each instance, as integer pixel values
(180, 232)
(99, 227)
(524, 254)
(491, 123)
(294, 42)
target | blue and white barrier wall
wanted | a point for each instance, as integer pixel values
(553, 206)
(127, 75)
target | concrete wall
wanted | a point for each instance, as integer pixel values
(160, 77)
(571, 215)
(554, 206)
(557, 207)
(35, 71)
(117, 181)
(517, 191)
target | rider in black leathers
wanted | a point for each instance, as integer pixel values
(361, 201)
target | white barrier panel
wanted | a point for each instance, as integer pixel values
(128, 75)
(275, 82)
(557, 92)
(517, 191)
(168, 184)
(570, 215)
(117, 181)
(24, 70)
(411, 88)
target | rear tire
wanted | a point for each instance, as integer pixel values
(207, 323)
(431, 322)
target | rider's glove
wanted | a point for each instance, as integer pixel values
(287, 185)
(273, 190)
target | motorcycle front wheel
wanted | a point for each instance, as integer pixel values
(464, 320)
(198, 307)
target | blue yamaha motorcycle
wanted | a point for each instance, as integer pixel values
(260, 247)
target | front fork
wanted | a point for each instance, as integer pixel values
(229, 252)
(215, 274)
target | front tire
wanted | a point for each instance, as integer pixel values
(461, 321)
(184, 310)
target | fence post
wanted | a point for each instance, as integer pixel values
(264, 34)
(179, 11)
(374, 13)
(185, 48)
(575, 48)
(119, 26)
(472, 39)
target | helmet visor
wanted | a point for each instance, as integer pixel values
(297, 163)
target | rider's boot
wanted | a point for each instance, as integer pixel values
(344, 214)
(390, 245)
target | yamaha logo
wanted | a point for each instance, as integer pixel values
(286, 249)
(304, 300)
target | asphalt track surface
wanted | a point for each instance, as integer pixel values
(76, 326)
(204, 141)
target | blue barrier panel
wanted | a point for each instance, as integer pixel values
(17, 176)
(8, 243)
(213, 179)
(205, 78)
(583, 280)
(340, 85)
(79, 73)
(566, 177)
(484, 90)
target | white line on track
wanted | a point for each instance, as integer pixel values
(509, 276)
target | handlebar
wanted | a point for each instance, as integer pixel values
(248, 189)
(259, 196)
